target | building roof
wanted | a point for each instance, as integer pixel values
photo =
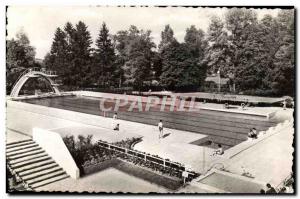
(216, 80)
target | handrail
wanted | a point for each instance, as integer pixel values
(179, 165)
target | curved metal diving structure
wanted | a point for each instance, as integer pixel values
(33, 73)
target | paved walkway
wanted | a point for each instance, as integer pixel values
(109, 180)
(13, 136)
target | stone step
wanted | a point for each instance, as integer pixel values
(45, 177)
(21, 148)
(49, 181)
(30, 157)
(19, 144)
(15, 157)
(38, 169)
(23, 151)
(33, 166)
(42, 173)
(29, 162)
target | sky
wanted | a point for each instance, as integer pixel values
(40, 22)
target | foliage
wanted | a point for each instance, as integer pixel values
(135, 48)
(19, 56)
(104, 58)
(256, 55)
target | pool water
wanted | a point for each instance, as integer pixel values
(231, 184)
(223, 128)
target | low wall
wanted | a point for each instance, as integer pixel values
(54, 145)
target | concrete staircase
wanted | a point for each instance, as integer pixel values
(32, 165)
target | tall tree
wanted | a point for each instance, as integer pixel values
(138, 66)
(172, 67)
(196, 44)
(217, 56)
(57, 60)
(135, 49)
(105, 57)
(242, 23)
(284, 71)
(81, 63)
(167, 37)
(70, 54)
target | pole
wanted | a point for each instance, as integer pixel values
(203, 159)
(219, 81)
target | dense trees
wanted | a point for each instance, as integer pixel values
(257, 55)
(19, 56)
(135, 48)
(182, 66)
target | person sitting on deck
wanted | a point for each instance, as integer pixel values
(116, 125)
(226, 106)
(252, 133)
(270, 189)
(219, 151)
(262, 191)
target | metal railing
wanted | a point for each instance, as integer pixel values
(147, 157)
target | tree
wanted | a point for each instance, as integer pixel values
(167, 37)
(195, 72)
(217, 55)
(23, 40)
(138, 66)
(105, 57)
(57, 59)
(81, 62)
(70, 54)
(19, 56)
(242, 25)
(283, 74)
(135, 50)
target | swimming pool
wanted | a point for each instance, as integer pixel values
(221, 127)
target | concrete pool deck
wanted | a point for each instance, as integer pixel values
(269, 161)
(109, 180)
(103, 134)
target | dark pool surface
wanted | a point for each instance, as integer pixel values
(222, 127)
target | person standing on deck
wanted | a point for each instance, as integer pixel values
(160, 128)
